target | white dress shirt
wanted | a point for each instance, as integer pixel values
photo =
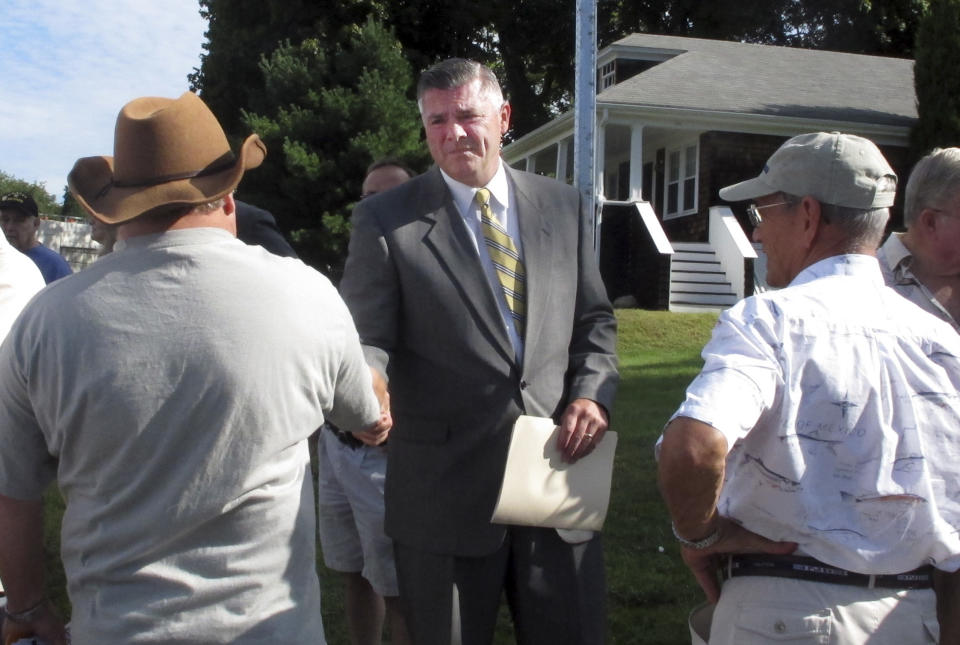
(839, 401)
(504, 209)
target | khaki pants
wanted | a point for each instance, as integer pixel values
(759, 609)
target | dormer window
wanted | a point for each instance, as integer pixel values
(608, 75)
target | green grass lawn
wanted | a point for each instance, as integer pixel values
(649, 591)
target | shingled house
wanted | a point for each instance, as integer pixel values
(679, 118)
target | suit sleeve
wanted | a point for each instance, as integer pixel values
(256, 226)
(592, 370)
(371, 289)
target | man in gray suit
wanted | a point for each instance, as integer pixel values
(475, 290)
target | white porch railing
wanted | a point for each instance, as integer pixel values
(731, 245)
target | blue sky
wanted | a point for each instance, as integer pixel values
(68, 66)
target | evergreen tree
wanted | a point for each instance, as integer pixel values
(936, 79)
(325, 114)
(71, 207)
(274, 66)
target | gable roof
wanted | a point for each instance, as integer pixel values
(741, 78)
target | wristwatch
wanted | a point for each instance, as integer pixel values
(698, 545)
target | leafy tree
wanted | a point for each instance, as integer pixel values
(325, 115)
(936, 79)
(529, 42)
(46, 203)
(249, 76)
(883, 27)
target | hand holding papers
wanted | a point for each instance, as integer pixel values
(540, 489)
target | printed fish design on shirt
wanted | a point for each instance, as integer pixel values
(939, 399)
(810, 437)
(909, 463)
(899, 497)
(779, 481)
(835, 530)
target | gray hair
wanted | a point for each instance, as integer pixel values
(934, 181)
(863, 227)
(457, 72)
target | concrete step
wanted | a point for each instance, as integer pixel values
(691, 246)
(693, 256)
(685, 286)
(696, 309)
(697, 280)
(706, 267)
(721, 299)
(699, 276)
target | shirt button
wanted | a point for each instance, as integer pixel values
(779, 627)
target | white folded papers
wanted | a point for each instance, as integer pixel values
(540, 489)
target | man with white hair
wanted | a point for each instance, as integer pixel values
(923, 264)
(814, 460)
(170, 389)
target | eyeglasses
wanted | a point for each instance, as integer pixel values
(753, 212)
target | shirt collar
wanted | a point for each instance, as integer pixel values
(178, 237)
(898, 258)
(463, 194)
(851, 264)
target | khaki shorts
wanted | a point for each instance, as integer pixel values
(350, 511)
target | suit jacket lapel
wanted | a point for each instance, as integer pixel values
(538, 258)
(448, 238)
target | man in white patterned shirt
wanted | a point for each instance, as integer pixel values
(815, 457)
(923, 264)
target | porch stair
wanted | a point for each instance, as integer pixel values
(698, 283)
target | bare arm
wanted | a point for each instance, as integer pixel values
(21, 568)
(947, 587)
(692, 459)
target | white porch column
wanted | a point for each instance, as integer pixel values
(601, 159)
(562, 146)
(636, 163)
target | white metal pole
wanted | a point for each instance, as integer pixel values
(585, 104)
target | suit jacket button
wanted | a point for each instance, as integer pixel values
(523, 385)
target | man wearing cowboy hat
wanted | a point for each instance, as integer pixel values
(170, 389)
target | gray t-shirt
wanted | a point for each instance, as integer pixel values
(170, 388)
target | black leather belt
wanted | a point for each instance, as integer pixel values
(806, 568)
(345, 437)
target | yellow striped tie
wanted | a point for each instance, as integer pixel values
(506, 260)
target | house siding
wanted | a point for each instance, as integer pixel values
(630, 264)
(730, 157)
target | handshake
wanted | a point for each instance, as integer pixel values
(376, 433)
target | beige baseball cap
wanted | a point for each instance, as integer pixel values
(835, 168)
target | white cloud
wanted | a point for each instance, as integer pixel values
(70, 65)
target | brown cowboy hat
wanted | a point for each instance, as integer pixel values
(167, 152)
